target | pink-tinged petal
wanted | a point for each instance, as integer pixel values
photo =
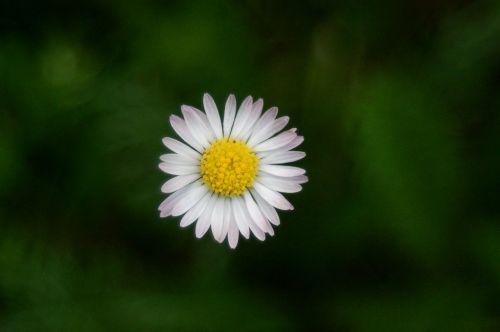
(239, 216)
(233, 235)
(273, 197)
(228, 215)
(254, 211)
(256, 231)
(269, 229)
(276, 142)
(196, 126)
(212, 115)
(204, 220)
(300, 179)
(267, 210)
(175, 158)
(292, 145)
(178, 182)
(180, 148)
(268, 130)
(168, 204)
(229, 114)
(182, 130)
(177, 169)
(265, 120)
(217, 219)
(252, 119)
(241, 117)
(280, 170)
(283, 157)
(281, 185)
(196, 211)
(187, 202)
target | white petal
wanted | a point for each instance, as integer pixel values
(281, 185)
(168, 204)
(228, 215)
(177, 169)
(252, 119)
(254, 211)
(180, 148)
(280, 170)
(196, 126)
(217, 218)
(203, 223)
(259, 233)
(189, 200)
(266, 119)
(244, 216)
(268, 130)
(283, 157)
(203, 117)
(267, 210)
(229, 114)
(276, 142)
(178, 182)
(241, 117)
(240, 216)
(182, 130)
(212, 114)
(196, 211)
(272, 197)
(233, 234)
(175, 158)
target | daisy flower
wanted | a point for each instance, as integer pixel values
(229, 175)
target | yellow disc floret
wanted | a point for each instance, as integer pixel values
(228, 167)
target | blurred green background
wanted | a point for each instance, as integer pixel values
(397, 230)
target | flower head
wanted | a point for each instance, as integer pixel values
(229, 176)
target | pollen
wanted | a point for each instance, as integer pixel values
(229, 167)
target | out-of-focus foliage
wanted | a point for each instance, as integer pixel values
(398, 229)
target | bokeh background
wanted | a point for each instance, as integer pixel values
(397, 230)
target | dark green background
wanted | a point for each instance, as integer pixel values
(397, 230)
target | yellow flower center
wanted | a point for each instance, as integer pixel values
(228, 167)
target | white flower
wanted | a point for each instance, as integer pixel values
(230, 177)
